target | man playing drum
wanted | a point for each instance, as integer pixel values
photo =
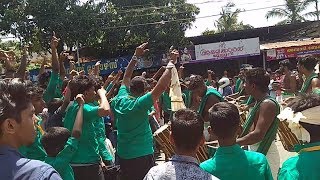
(261, 126)
(202, 99)
(306, 67)
(302, 114)
(289, 83)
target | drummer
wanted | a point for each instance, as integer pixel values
(202, 98)
(261, 126)
(306, 67)
(306, 164)
(230, 161)
(288, 82)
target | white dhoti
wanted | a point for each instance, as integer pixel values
(273, 157)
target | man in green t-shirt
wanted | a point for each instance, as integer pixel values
(86, 161)
(261, 126)
(230, 161)
(130, 107)
(60, 145)
(35, 150)
(306, 67)
(306, 164)
(53, 89)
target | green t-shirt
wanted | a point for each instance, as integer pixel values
(232, 162)
(165, 101)
(134, 133)
(61, 162)
(87, 152)
(302, 167)
(101, 137)
(35, 150)
(54, 88)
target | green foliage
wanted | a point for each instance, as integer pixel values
(208, 32)
(292, 12)
(114, 27)
(228, 20)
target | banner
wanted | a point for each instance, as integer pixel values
(292, 52)
(107, 66)
(228, 49)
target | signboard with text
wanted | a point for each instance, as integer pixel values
(228, 49)
(293, 52)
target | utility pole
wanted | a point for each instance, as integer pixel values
(317, 10)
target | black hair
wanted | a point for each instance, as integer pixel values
(224, 119)
(54, 140)
(80, 84)
(304, 102)
(187, 129)
(13, 99)
(285, 63)
(35, 91)
(196, 81)
(259, 77)
(138, 85)
(308, 62)
(44, 79)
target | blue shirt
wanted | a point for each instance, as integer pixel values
(14, 166)
(179, 168)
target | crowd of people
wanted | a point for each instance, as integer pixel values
(79, 126)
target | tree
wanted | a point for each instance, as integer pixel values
(315, 13)
(228, 20)
(113, 27)
(292, 12)
(208, 32)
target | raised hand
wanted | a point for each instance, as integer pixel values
(174, 54)
(141, 50)
(80, 99)
(54, 41)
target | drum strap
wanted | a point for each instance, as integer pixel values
(310, 149)
(185, 162)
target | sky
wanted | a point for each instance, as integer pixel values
(255, 18)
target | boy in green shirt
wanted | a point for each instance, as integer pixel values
(35, 150)
(230, 161)
(306, 164)
(60, 147)
(86, 161)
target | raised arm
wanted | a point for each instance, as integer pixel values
(140, 50)
(180, 72)
(165, 79)
(104, 108)
(77, 126)
(54, 45)
(43, 66)
(62, 69)
(158, 74)
(7, 61)
(23, 65)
